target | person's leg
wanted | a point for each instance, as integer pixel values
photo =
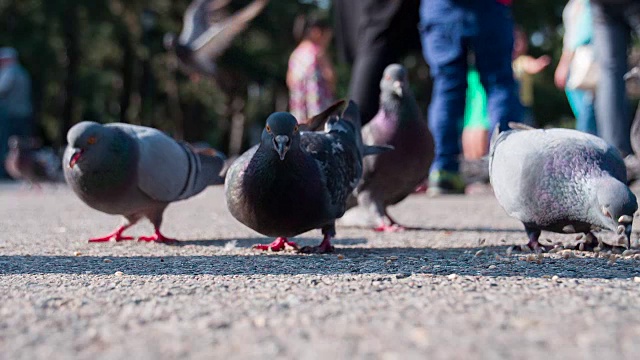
(446, 55)
(611, 36)
(493, 45)
(581, 103)
(445, 49)
(386, 31)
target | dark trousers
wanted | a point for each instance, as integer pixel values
(449, 30)
(612, 26)
(371, 34)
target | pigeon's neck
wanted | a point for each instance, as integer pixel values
(403, 109)
(390, 103)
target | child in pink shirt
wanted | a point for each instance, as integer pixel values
(310, 77)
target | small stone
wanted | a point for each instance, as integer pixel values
(491, 267)
(479, 252)
(566, 254)
(402, 275)
(531, 258)
(393, 258)
(581, 246)
(540, 256)
(106, 261)
(555, 278)
(636, 257)
(452, 276)
(260, 321)
(340, 257)
(629, 252)
(118, 273)
(636, 279)
(579, 237)
(388, 262)
(77, 253)
(509, 251)
(481, 241)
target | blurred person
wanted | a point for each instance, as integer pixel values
(16, 117)
(613, 21)
(310, 77)
(449, 30)
(524, 67)
(371, 34)
(578, 31)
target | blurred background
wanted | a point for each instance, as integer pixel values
(104, 60)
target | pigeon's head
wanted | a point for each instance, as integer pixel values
(616, 205)
(88, 141)
(281, 132)
(394, 80)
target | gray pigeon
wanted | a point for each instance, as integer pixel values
(561, 180)
(390, 177)
(134, 171)
(28, 161)
(295, 181)
(207, 32)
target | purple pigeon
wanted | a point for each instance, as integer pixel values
(390, 177)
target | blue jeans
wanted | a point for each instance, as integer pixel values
(449, 30)
(613, 24)
(582, 106)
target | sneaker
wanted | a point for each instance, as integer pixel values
(445, 182)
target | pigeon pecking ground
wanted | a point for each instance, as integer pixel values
(448, 290)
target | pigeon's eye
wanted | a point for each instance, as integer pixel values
(268, 128)
(295, 129)
(92, 140)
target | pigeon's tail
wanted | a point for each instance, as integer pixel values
(212, 167)
(317, 122)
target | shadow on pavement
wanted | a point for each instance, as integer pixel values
(249, 242)
(400, 260)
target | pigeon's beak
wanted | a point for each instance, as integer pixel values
(281, 144)
(75, 157)
(397, 88)
(625, 224)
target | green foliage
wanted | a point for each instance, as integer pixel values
(94, 60)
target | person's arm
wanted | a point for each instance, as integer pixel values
(562, 71)
(7, 78)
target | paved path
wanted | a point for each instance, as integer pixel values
(426, 293)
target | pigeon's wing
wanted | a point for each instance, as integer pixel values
(195, 22)
(318, 121)
(338, 161)
(168, 170)
(219, 35)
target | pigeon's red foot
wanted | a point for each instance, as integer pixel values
(157, 237)
(421, 189)
(324, 247)
(116, 235)
(389, 228)
(278, 244)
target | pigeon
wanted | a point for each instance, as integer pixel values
(390, 177)
(294, 181)
(561, 180)
(28, 161)
(207, 33)
(134, 171)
